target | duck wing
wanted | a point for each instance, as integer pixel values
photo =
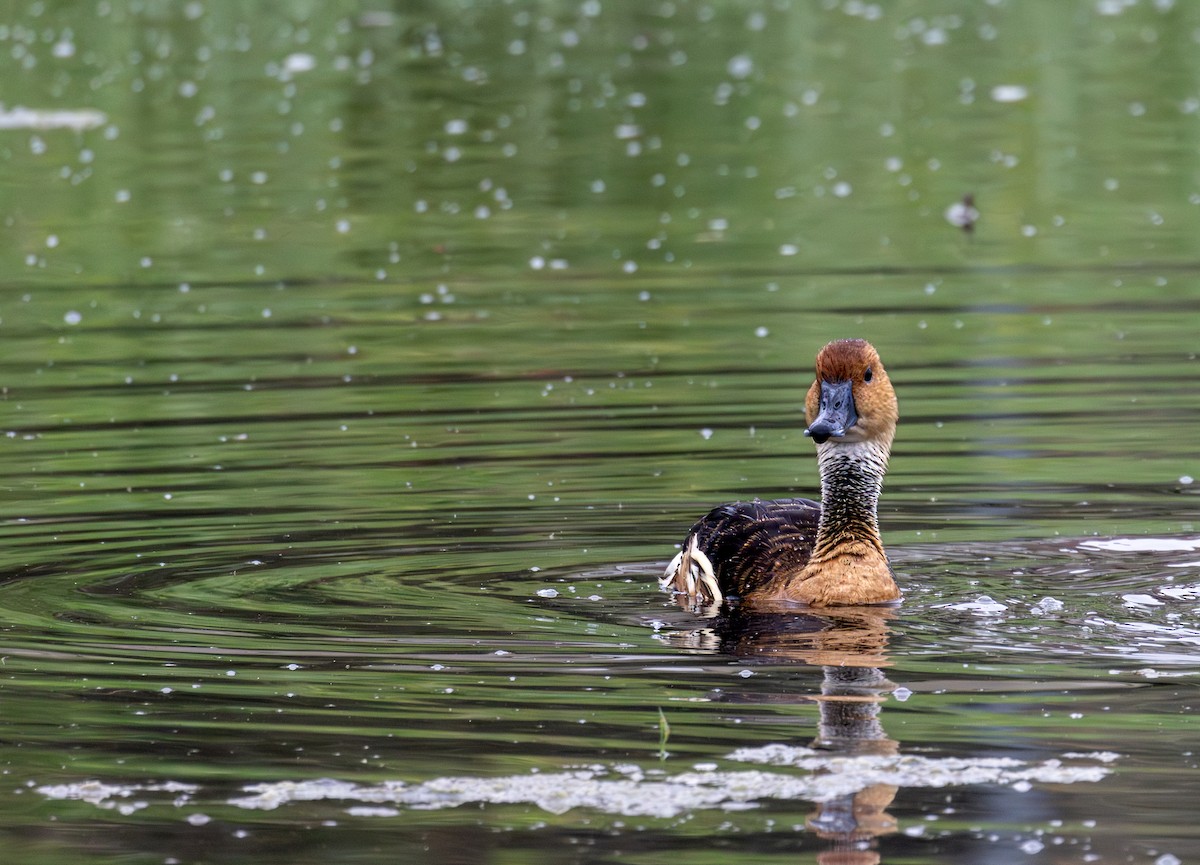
(739, 547)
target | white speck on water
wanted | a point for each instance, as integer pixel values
(1186, 479)
(901, 694)
(231, 673)
(258, 178)
(371, 811)
(1139, 600)
(706, 433)
(1046, 605)
(761, 332)
(1009, 93)
(745, 674)
(960, 214)
(1031, 846)
(458, 126)
(842, 189)
(298, 62)
(598, 186)
(1029, 230)
(629, 266)
(1168, 859)
(740, 66)
(73, 317)
(342, 226)
(788, 249)
(934, 36)
(537, 262)
(547, 593)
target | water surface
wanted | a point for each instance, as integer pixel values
(361, 368)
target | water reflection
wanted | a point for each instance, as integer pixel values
(850, 703)
(849, 645)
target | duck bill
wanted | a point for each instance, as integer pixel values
(836, 413)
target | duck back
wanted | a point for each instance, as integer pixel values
(747, 544)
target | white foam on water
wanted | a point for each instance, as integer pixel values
(77, 120)
(1142, 545)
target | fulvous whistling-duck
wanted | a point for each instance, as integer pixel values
(795, 549)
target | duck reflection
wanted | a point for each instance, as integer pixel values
(849, 645)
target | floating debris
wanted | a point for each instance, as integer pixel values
(1142, 545)
(77, 120)
(963, 214)
(984, 605)
(629, 790)
(1009, 93)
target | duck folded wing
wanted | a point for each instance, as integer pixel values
(740, 547)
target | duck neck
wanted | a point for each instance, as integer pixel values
(851, 480)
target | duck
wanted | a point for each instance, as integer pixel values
(783, 552)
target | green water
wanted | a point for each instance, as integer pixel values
(362, 366)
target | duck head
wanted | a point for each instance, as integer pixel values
(852, 399)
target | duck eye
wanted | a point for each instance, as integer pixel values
(867, 374)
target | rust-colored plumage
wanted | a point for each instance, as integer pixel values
(772, 553)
